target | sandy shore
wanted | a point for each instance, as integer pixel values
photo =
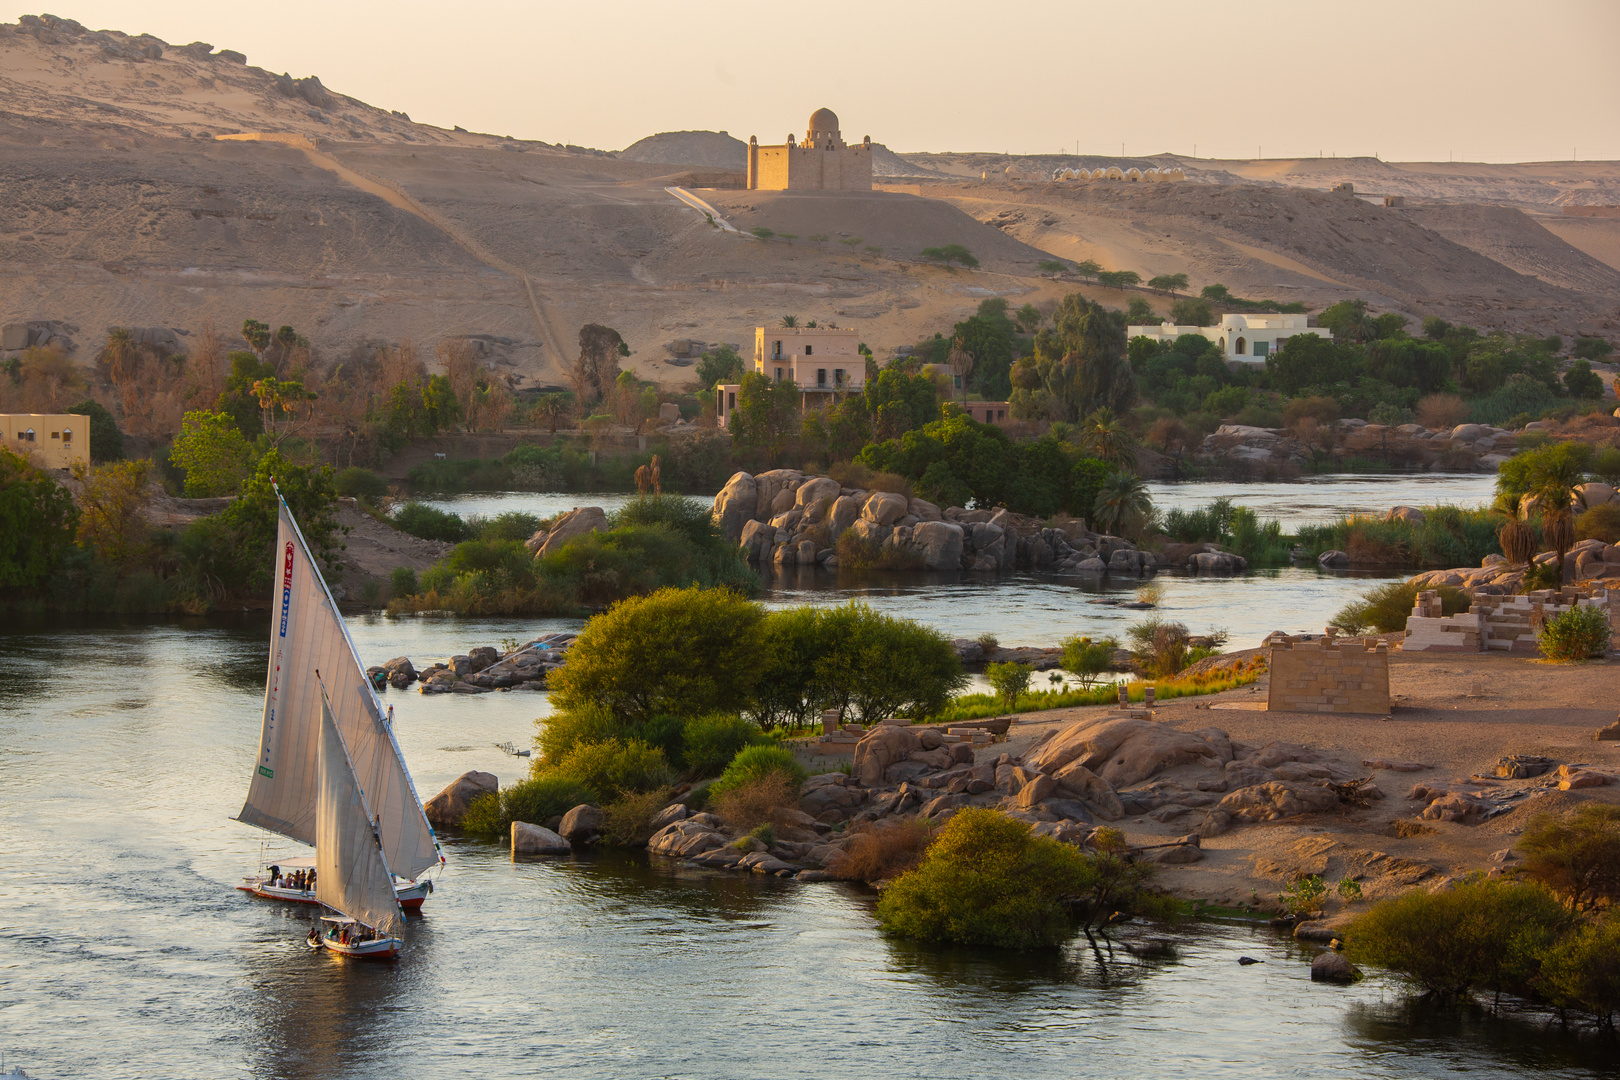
(1456, 713)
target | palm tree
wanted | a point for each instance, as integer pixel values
(1553, 479)
(119, 356)
(960, 363)
(790, 321)
(1517, 537)
(1123, 502)
(1103, 435)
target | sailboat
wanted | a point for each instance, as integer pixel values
(351, 871)
(309, 645)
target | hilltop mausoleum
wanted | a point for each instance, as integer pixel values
(823, 162)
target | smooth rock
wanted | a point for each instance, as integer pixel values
(529, 840)
(583, 824)
(939, 543)
(884, 508)
(669, 815)
(883, 746)
(1334, 968)
(575, 523)
(448, 808)
(1278, 799)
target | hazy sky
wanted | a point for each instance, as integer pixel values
(1484, 80)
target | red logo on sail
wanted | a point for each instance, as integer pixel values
(286, 587)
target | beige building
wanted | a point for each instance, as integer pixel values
(1242, 339)
(823, 162)
(824, 363)
(52, 440)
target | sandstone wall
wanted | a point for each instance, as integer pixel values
(1331, 675)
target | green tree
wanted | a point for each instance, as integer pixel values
(1086, 659)
(1104, 436)
(627, 660)
(1591, 348)
(718, 366)
(1192, 311)
(899, 401)
(1009, 680)
(1140, 313)
(238, 400)
(1029, 318)
(112, 515)
(1052, 266)
(1079, 364)
(875, 666)
(1087, 268)
(243, 534)
(1168, 283)
(106, 441)
(37, 522)
(1582, 382)
(212, 451)
(950, 253)
(767, 414)
(1118, 279)
(1577, 855)
(1310, 360)
(1349, 322)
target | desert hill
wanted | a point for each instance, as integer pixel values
(121, 206)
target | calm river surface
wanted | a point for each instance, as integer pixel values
(125, 951)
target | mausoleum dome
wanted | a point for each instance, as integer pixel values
(823, 121)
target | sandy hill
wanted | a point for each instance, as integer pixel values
(119, 206)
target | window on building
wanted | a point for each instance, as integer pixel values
(731, 400)
(1001, 414)
(1240, 348)
(778, 346)
(67, 434)
(1223, 344)
(26, 436)
(838, 377)
(778, 374)
(56, 434)
(821, 378)
(1262, 348)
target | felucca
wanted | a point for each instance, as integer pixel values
(309, 644)
(351, 871)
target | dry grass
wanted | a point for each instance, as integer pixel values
(882, 851)
(758, 801)
(629, 820)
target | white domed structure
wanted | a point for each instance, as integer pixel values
(1133, 174)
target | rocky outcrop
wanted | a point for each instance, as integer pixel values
(784, 518)
(574, 524)
(1588, 560)
(1240, 448)
(529, 841)
(448, 809)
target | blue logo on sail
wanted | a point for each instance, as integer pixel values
(286, 587)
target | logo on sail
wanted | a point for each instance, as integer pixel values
(286, 587)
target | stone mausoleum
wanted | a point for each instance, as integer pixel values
(823, 162)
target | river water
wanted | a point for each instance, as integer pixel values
(125, 951)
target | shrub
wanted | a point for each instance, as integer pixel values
(1086, 660)
(613, 768)
(987, 642)
(1385, 608)
(680, 652)
(1601, 522)
(1160, 647)
(37, 521)
(753, 763)
(857, 553)
(402, 581)
(357, 483)
(567, 728)
(1575, 635)
(709, 743)
(1576, 856)
(1479, 934)
(987, 880)
(536, 801)
(874, 666)
(1582, 970)
(106, 441)
(1009, 680)
(1441, 412)
(758, 800)
(429, 522)
(629, 818)
(514, 525)
(882, 850)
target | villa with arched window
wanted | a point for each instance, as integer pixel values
(1242, 339)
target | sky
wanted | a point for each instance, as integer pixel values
(1414, 80)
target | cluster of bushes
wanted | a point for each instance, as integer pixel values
(656, 542)
(979, 706)
(1384, 608)
(1549, 932)
(987, 880)
(1447, 536)
(1237, 529)
(692, 464)
(103, 555)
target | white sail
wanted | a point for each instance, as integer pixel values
(351, 871)
(307, 635)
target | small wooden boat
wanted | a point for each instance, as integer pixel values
(347, 937)
(409, 893)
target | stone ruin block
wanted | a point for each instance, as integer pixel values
(1328, 675)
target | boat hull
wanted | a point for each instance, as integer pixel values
(410, 895)
(381, 949)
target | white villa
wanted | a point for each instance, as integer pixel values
(825, 364)
(1244, 339)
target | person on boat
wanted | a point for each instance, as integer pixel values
(275, 875)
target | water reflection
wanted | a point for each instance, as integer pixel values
(1514, 1040)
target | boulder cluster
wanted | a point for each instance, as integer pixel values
(785, 518)
(1095, 771)
(1466, 446)
(1588, 560)
(480, 670)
